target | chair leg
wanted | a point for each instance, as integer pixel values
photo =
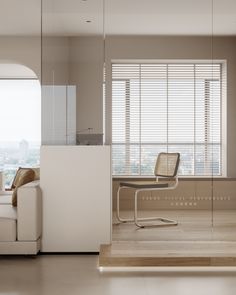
(165, 221)
(122, 220)
(136, 220)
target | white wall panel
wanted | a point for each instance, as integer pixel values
(76, 187)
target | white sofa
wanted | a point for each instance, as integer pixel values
(21, 226)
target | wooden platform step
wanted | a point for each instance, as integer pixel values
(165, 253)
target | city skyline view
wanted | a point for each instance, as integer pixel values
(20, 125)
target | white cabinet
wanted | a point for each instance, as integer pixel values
(58, 114)
(76, 187)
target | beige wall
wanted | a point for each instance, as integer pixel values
(86, 71)
(55, 60)
(77, 61)
(22, 50)
(189, 195)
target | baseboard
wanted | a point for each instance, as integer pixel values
(69, 253)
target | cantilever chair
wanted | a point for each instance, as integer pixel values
(166, 168)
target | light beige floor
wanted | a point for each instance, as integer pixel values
(195, 225)
(78, 275)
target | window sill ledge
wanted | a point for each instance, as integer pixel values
(183, 178)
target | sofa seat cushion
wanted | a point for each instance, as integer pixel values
(8, 216)
(8, 212)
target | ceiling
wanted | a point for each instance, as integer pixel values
(122, 17)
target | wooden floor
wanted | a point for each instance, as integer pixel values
(193, 242)
(163, 253)
(192, 225)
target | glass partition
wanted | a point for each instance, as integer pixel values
(160, 83)
(224, 187)
(72, 72)
(168, 86)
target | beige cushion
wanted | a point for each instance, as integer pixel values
(16, 178)
(36, 173)
(21, 171)
(26, 176)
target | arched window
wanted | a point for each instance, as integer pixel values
(20, 119)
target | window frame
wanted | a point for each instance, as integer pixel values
(223, 110)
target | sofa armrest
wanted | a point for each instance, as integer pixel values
(29, 212)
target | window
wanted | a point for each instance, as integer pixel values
(174, 107)
(20, 125)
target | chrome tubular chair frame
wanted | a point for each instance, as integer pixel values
(143, 222)
(136, 220)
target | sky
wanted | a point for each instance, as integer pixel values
(20, 110)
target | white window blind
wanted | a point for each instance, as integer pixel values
(173, 107)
